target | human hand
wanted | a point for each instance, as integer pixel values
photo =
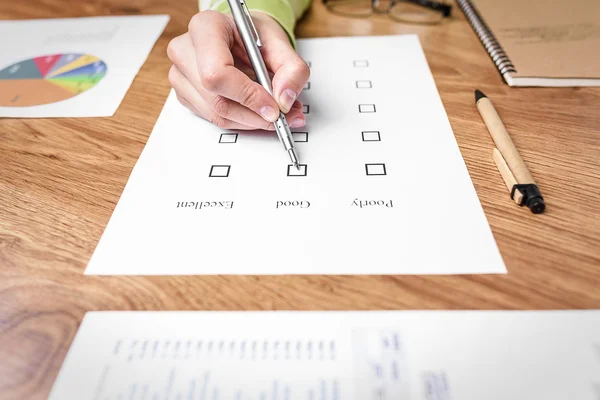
(211, 73)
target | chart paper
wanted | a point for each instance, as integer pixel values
(73, 67)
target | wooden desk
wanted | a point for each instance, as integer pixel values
(61, 179)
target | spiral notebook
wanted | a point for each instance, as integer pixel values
(540, 42)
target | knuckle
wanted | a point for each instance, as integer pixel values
(216, 17)
(173, 75)
(201, 19)
(218, 121)
(173, 51)
(212, 79)
(249, 95)
(197, 21)
(221, 105)
(302, 69)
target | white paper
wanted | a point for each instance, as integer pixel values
(421, 217)
(121, 44)
(409, 355)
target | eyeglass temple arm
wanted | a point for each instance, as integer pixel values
(445, 9)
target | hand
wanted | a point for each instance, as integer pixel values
(211, 73)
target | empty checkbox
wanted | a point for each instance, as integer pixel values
(307, 86)
(305, 108)
(366, 108)
(371, 136)
(300, 137)
(364, 85)
(228, 138)
(375, 169)
(293, 171)
(219, 171)
(361, 63)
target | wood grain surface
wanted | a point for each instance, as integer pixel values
(60, 180)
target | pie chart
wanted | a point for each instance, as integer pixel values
(49, 79)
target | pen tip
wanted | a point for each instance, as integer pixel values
(479, 95)
(297, 165)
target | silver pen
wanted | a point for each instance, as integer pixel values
(247, 29)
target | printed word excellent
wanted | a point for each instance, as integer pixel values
(198, 205)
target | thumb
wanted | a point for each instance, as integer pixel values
(291, 73)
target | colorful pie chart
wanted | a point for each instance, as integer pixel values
(49, 79)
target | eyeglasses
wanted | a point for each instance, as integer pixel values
(409, 11)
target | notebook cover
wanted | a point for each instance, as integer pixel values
(546, 39)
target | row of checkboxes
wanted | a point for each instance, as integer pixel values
(366, 84)
(362, 108)
(222, 171)
(230, 138)
(302, 137)
(370, 169)
(356, 63)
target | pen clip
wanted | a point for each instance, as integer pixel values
(249, 17)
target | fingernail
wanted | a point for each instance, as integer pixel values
(269, 113)
(297, 123)
(287, 99)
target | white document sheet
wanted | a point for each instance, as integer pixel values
(76, 67)
(384, 187)
(408, 355)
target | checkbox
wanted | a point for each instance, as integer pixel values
(300, 137)
(361, 63)
(364, 85)
(293, 171)
(366, 108)
(309, 63)
(228, 138)
(307, 86)
(375, 169)
(305, 108)
(219, 171)
(371, 136)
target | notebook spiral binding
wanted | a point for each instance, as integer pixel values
(487, 38)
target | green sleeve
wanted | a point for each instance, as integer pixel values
(286, 12)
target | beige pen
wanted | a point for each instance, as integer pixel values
(516, 175)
